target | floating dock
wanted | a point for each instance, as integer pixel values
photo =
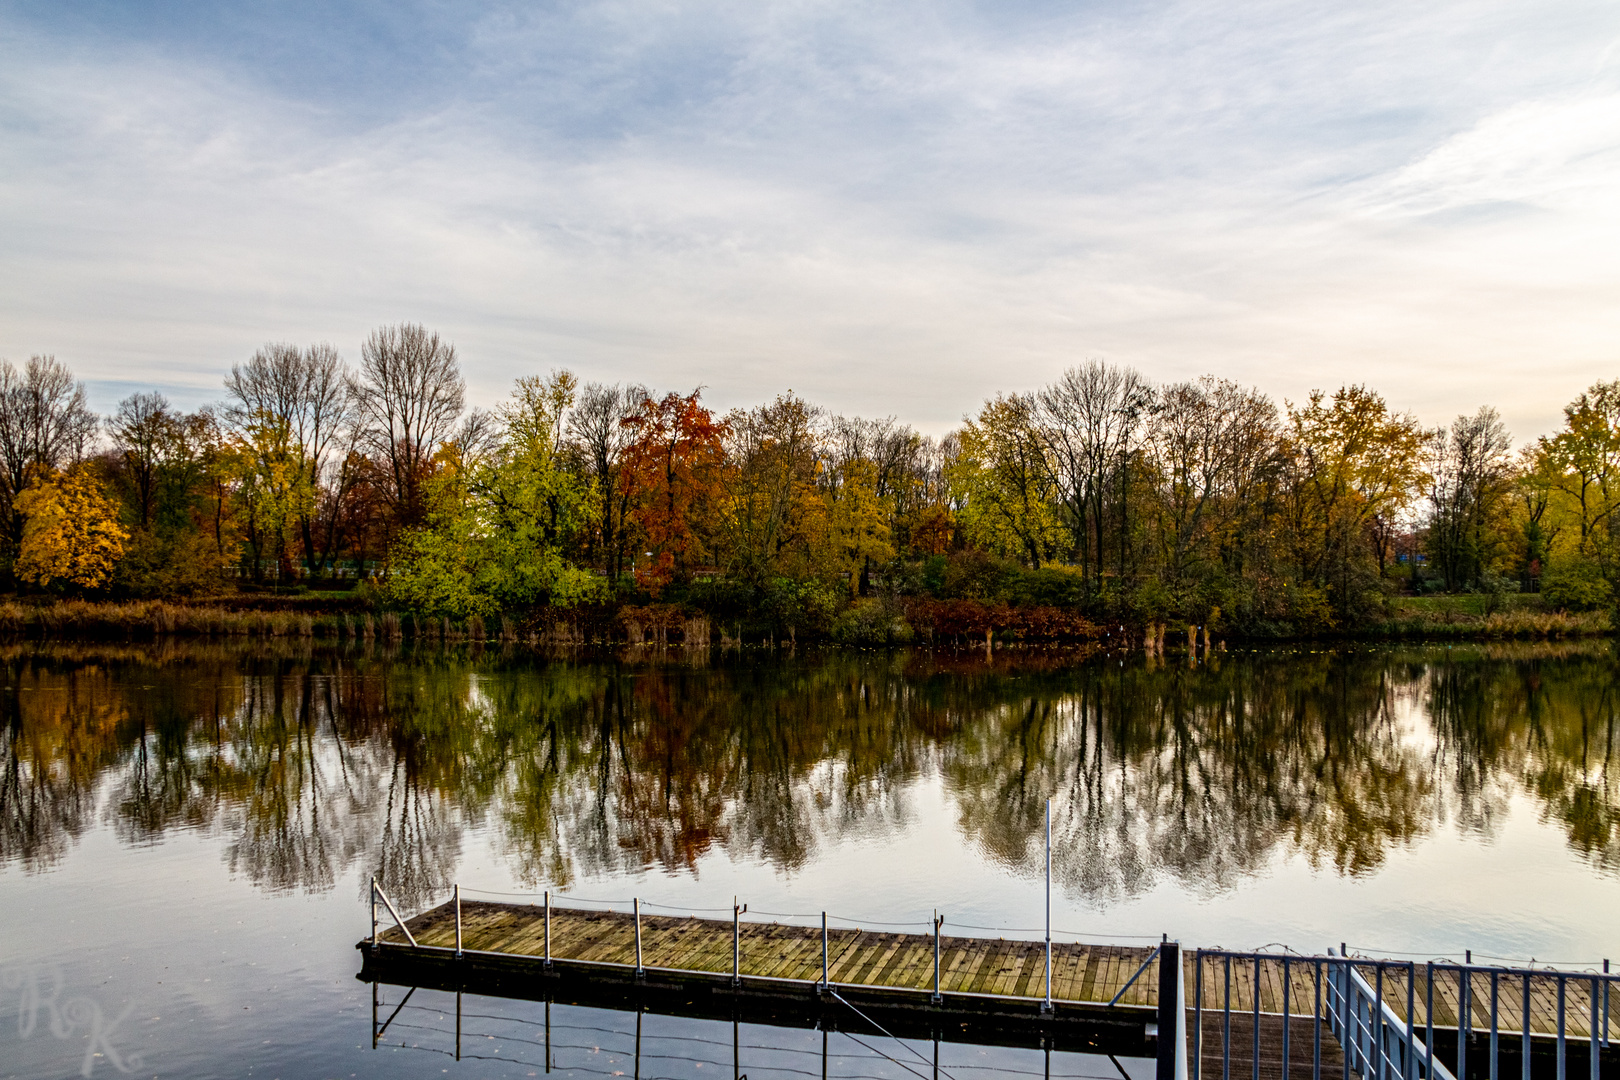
(1261, 1016)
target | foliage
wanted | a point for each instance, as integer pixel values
(498, 525)
(1575, 583)
(71, 536)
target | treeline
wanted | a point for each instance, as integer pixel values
(1101, 496)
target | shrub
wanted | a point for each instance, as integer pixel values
(1575, 584)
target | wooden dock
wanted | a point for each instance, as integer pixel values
(1105, 998)
(856, 957)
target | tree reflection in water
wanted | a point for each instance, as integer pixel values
(310, 761)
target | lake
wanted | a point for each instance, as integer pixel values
(187, 832)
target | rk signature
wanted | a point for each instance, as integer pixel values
(42, 1009)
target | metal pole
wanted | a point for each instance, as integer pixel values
(1496, 978)
(458, 941)
(373, 913)
(824, 950)
(1256, 1050)
(1524, 1051)
(1560, 1027)
(548, 928)
(636, 906)
(1428, 1016)
(938, 918)
(1465, 1009)
(1596, 1017)
(1378, 1017)
(1316, 1026)
(1226, 1023)
(1046, 1006)
(1286, 986)
(1198, 1013)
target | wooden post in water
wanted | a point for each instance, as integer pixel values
(373, 913)
(636, 906)
(1046, 1006)
(736, 941)
(548, 928)
(458, 942)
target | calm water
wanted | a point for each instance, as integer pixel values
(186, 833)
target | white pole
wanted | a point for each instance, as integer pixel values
(1047, 1005)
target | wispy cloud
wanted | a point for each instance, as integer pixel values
(888, 207)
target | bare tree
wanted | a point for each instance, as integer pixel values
(1092, 419)
(597, 426)
(308, 391)
(44, 424)
(408, 396)
(142, 431)
(1470, 474)
(1209, 439)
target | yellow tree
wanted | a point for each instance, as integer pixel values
(70, 531)
(858, 521)
(273, 489)
(1001, 480)
(1354, 466)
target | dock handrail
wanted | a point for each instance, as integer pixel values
(377, 891)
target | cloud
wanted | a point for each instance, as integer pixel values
(894, 209)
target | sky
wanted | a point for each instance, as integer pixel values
(891, 208)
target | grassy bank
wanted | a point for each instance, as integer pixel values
(1448, 618)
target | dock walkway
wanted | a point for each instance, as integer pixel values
(856, 957)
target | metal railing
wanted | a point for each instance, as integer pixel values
(1386, 1019)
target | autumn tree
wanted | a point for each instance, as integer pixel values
(307, 392)
(1349, 461)
(772, 518)
(674, 471)
(499, 522)
(45, 425)
(71, 535)
(1005, 483)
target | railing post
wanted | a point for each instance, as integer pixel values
(374, 913)
(548, 928)
(1169, 1009)
(940, 918)
(1316, 1025)
(1496, 989)
(1525, 1044)
(636, 907)
(458, 925)
(1198, 1014)
(1561, 1046)
(1465, 1009)
(1046, 1006)
(823, 951)
(1596, 1017)
(736, 941)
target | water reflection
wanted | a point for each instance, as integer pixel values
(308, 762)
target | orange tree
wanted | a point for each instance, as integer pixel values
(674, 474)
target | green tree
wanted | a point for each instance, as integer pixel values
(499, 523)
